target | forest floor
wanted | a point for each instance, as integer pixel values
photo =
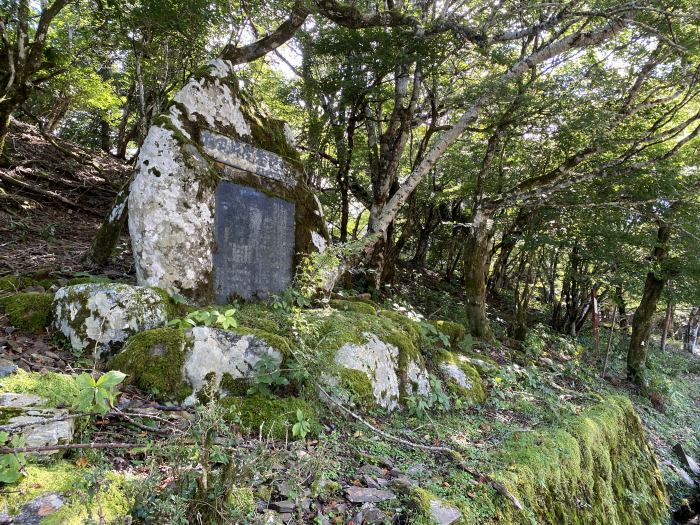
(538, 384)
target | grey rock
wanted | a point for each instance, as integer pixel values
(39, 508)
(372, 516)
(368, 495)
(687, 461)
(13, 400)
(102, 316)
(7, 367)
(222, 352)
(270, 517)
(442, 513)
(284, 506)
(370, 482)
(41, 429)
(370, 470)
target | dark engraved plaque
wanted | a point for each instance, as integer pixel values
(254, 243)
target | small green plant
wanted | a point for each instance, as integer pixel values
(11, 465)
(98, 395)
(267, 376)
(418, 406)
(212, 317)
(302, 427)
(433, 336)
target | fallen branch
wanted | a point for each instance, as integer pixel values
(46, 193)
(447, 451)
(74, 446)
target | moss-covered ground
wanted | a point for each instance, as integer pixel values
(570, 446)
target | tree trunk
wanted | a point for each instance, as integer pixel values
(668, 318)
(643, 315)
(108, 235)
(5, 112)
(476, 252)
(105, 138)
(690, 336)
(622, 307)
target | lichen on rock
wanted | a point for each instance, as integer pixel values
(100, 317)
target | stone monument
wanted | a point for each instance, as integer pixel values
(219, 209)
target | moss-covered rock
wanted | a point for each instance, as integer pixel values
(64, 478)
(241, 501)
(455, 331)
(102, 316)
(29, 311)
(59, 390)
(272, 416)
(428, 509)
(353, 306)
(484, 364)
(153, 360)
(461, 378)
(593, 468)
(16, 283)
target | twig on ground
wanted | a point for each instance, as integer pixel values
(447, 451)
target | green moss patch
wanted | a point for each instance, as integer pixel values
(353, 306)
(59, 390)
(16, 283)
(272, 416)
(358, 385)
(28, 311)
(455, 331)
(67, 480)
(593, 468)
(153, 361)
(241, 501)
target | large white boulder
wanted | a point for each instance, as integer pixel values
(99, 317)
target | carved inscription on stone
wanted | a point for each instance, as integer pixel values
(246, 157)
(254, 243)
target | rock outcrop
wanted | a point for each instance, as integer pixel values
(213, 139)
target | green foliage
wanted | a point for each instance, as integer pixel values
(207, 317)
(98, 395)
(302, 426)
(11, 465)
(266, 377)
(437, 398)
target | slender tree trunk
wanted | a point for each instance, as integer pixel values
(667, 324)
(475, 259)
(690, 336)
(643, 315)
(5, 111)
(105, 138)
(622, 307)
